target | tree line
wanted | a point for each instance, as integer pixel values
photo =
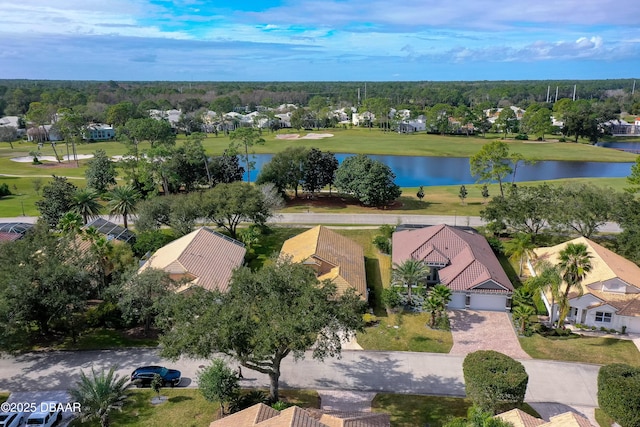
(16, 95)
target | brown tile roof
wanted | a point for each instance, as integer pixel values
(605, 265)
(261, 415)
(206, 257)
(468, 258)
(521, 419)
(336, 257)
(568, 419)
(248, 417)
(9, 237)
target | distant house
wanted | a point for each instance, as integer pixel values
(261, 415)
(611, 290)
(172, 116)
(519, 418)
(202, 258)
(332, 256)
(99, 132)
(460, 259)
(43, 134)
(364, 118)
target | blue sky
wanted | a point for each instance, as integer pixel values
(298, 40)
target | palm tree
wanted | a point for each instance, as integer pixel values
(103, 250)
(71, 222)
(522, 316)
(548, 278)
(85, 203)
(409, 274)
(122, 201)
(100, 394)
(575, 263)
(443, 295)
(519, 247)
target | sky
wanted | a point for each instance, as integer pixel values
(320, 40)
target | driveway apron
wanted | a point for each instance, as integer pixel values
(484, 330)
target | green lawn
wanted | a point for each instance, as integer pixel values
(185, 408)
(434, 411)
(405, 332)
(582, 349)
(4, 397)
(438, 200)
(603, 419)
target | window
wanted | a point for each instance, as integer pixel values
(602, 316)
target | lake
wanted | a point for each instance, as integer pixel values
(414, 171)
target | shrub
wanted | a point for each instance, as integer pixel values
(4, 190)
(613, 331)
(619, 393)
(563, 139)
(370, 319)
(391, 298)
(244, 401)
(280, 405)
(387, 230)
(493, 380)
(383, 244)
(496, 245)
(106, 314)
(593, 328)
(522, 137)
(603, 329)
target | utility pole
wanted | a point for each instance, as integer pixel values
(574, 92)
(556, 94)
(548, 89)
(633, 89)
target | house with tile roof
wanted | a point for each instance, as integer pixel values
(332, 256)
(202, 258)
(462, 260)
(519, 418)
(611, 290)
(261, 415)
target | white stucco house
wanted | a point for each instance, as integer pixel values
(611, 290)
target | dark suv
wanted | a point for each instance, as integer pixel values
(144, 375)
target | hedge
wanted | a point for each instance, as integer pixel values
(494, 380)
(619, 393)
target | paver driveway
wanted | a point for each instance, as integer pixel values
(484, 330)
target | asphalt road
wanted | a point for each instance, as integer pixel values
(572, 384)
(353, 219)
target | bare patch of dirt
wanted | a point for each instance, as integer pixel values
(138, 333)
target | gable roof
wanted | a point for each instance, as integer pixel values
(605, 266)
(467, 259)
(520, 418)
(343, 258)
(204, 255)
(261, 415)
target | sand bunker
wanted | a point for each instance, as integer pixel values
(29, 159)
(307, 136)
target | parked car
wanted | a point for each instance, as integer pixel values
(144, 375)
(48, 415)
(11, 419)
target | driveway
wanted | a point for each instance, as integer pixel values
(484, 330)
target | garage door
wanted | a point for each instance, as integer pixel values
(488, 302)
(457, 300)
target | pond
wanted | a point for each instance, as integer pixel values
(414, 171)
